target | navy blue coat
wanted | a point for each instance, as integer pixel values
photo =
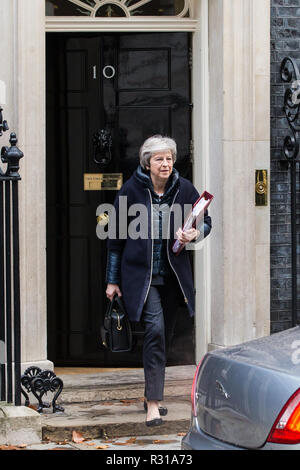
(136, 255)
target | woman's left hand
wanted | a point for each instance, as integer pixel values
(187, 236)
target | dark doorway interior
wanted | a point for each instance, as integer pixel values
(144, 91)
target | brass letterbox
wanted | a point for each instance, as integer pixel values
(102, 181)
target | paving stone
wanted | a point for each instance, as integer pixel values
(153, 442)
(50, 446)
(159, 442)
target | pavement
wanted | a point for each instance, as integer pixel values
(106, 409)
(149, 443)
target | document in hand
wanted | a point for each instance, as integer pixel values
(194, 217)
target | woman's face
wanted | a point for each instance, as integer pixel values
(161, 165)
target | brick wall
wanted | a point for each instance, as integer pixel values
(285, 41)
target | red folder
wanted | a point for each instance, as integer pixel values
(194, 217)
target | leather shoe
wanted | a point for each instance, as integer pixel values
(163, 411)
(154, 422)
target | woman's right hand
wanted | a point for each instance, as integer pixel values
(111, 290)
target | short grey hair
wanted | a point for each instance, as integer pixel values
(154, 145)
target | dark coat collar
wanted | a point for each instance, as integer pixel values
(143, 177)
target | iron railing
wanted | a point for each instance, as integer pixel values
(290, 74)
(10, 331)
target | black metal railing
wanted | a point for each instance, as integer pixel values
(10, 322)
(290, 74)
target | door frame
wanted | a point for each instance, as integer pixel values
(63, 24)
(236, 30)
(198, 26)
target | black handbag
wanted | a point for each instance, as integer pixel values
(116, 333)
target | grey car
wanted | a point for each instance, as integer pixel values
(248, 396)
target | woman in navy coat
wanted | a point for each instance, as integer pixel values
(144, 269)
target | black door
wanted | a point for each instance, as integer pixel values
(130, 86)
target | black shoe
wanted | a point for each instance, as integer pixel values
(163, 411)
(154, 422)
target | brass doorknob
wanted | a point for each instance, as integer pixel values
(261, 187)
(103, 219)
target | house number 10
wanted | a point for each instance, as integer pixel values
(109, 71)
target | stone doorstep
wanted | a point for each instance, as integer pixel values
(98, 420)
(122, 384)
(19, 425)
(124, 377)
(120, 391)
(84, 397)
(113, 430)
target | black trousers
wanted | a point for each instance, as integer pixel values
(159, 319)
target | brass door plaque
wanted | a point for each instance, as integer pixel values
(102, 181)
(261, 188)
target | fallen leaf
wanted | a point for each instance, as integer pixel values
(59, 448)
(77, 437)
(143, 442)
(33, 407)
(128, 402)
(131, 440)
(102, 447)
(181, 433)
(120, 443)
(90, 443)
(160, 441)
(22, 446)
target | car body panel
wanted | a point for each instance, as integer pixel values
(241, 390)
(239, 403)
(280, 351)
(196, 439)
